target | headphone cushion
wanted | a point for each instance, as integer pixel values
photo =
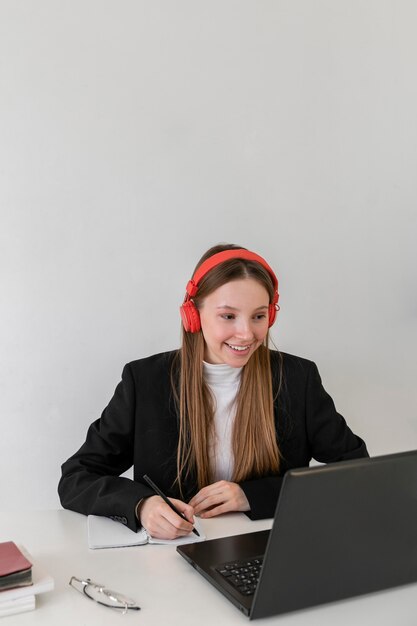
(190, 317)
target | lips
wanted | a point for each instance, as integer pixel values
(238, 348)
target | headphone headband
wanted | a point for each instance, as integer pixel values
(189, 313)
(220, 257)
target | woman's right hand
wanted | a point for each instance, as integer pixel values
(162, 522)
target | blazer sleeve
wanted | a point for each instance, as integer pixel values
(329, 436)
(91, 481)
(319, 432)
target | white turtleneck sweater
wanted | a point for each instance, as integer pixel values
(223, 382)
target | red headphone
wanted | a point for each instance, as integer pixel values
(189, 312)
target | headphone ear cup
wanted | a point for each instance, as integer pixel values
(273, 310)
(272, 314)
(190, 317)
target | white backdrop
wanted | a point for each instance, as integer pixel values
(134, 135)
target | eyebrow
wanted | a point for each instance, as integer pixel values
(232, 308)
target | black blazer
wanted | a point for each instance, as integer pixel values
(139, 427)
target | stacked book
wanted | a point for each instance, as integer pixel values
(20, 580)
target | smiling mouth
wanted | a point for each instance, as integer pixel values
(238, 348)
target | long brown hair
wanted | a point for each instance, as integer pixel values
(254, 445)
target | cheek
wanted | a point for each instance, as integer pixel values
(212, 332)
(215, 330)
(262, 333)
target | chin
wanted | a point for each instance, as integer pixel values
(237, 361)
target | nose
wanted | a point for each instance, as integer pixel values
(243, 329)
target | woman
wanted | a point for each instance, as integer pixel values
(215, 424)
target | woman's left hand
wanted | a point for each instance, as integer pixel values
(218, 498)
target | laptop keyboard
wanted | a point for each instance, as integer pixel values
(243, 575)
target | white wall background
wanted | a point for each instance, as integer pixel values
(134, 135)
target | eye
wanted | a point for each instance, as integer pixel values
(227, 316)
(260, 316)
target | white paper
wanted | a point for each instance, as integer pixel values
(104, 532)
(18, 605)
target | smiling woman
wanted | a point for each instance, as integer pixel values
(234, 322)
(216, 423)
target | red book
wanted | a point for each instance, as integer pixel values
(15, 569)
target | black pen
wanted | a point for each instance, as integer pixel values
(165, 499)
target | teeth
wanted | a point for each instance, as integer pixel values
(238, 348)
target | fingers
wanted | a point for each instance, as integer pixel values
(162, 522)
(186, 509)
(217, 498)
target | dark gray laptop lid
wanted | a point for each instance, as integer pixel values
(341, 530)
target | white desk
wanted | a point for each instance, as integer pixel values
(167, 588)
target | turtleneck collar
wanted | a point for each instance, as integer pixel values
(221, 374)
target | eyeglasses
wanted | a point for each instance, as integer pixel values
(101, 595)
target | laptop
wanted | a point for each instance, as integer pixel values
(340, 530)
